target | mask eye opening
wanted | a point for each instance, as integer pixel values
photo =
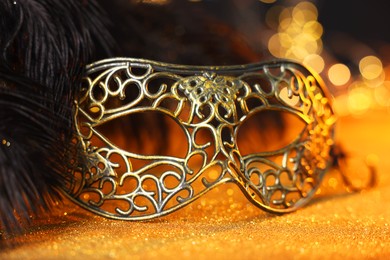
(268, 130)
(146, 133)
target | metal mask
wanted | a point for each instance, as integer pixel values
(202, 101)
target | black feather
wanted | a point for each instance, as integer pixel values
(44, 46)
(29, 149)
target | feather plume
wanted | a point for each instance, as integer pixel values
(44, 46)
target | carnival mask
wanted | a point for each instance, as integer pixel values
(209, 106)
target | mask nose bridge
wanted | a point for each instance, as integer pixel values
(235, 164)
(217, 91)
(227, 139)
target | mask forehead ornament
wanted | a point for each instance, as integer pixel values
(110, 181)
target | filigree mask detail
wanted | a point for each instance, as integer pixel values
(216, 100)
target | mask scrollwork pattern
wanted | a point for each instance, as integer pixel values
(216, 100)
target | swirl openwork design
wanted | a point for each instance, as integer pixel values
(118, 183)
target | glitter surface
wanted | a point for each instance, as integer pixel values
(223, 224)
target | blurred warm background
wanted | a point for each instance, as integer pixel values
(346, 41)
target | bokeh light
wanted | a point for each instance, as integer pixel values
(370, 67)
(315, 61)
(359, 99)
(339, 74)
(297, 34)
(382, 94)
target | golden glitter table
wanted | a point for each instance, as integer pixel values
(337, 224)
